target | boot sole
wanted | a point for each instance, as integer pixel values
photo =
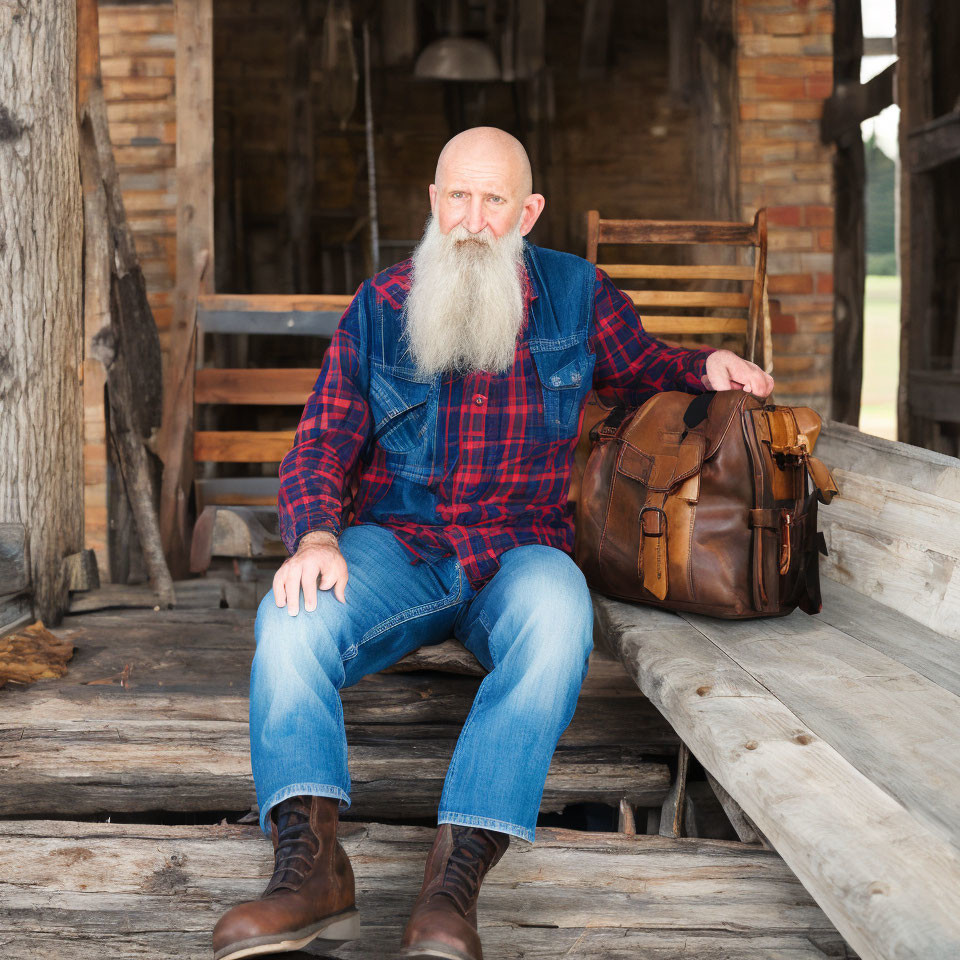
(428, 951)
(334, 930)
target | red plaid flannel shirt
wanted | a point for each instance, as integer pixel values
(495, 489)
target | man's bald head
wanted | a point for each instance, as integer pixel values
(487, 149)
(483, 182)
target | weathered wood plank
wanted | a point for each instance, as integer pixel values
(891, 533)
(262, 385)
(888, 630)
(677, 231)
(153, 715)
(242, 446)
(895, 726)
(144, 890)
(870, 864)
(665, 271)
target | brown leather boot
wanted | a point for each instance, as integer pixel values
(311, 893)
(443, 922)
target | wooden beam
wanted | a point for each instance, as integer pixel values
(935, 394)
(917, 213)
(196, 271)
(849, 258)
(853, 102)
(934, 144)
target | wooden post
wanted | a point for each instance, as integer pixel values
(849, 259)
(194, 32)
(41, 334)
(915, 98)
(126, 342)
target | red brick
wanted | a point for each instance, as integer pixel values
(817, 215)
(825, 239)
(824, 283)
(818, 87)
(789, 216)
(773, 88)
(783, 323)
(790, 283)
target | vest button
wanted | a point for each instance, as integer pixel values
(479, 398)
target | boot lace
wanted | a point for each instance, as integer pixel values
(297, 848)
(473, 851)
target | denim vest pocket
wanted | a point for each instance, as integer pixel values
(404, 409)
(566, 375)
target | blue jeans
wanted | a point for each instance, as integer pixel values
(530, 625)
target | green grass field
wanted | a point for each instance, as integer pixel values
(881, 357)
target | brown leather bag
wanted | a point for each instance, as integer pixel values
(701, 503)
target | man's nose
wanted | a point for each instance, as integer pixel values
(475, 220)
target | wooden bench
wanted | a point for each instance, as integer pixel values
(835, 735)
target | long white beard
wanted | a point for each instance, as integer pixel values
(465, 306)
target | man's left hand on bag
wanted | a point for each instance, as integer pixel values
(727, 371)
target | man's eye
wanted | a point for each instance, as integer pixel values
(457, 195)
(497, 199)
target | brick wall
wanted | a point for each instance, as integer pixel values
(137, 65)
(785, 68)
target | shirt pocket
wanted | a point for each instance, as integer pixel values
(403, 405)
(566, 376)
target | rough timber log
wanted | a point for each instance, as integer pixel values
(153, 715)
(41, 337)
(144, 891)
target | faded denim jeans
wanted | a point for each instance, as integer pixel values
(530, 625)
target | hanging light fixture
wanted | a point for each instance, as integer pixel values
(456, 57)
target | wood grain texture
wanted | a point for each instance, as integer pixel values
(870, 863)
(41, 305)
(153, 714)
(892, 532)
(143, 891)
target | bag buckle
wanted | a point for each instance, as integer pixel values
(661, 522)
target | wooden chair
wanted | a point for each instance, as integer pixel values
(750, 301)
(237, 516)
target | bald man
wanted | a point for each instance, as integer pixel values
(453, 390)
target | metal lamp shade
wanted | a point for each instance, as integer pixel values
(457, 58)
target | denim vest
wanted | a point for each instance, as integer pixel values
(404, 403)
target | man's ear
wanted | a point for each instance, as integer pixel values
(432, 190)
(532, 208)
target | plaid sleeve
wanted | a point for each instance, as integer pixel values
(631, 364)
(333, 429)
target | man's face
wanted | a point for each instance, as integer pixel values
(483, 193)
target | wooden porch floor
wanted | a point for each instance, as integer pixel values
(152, 716)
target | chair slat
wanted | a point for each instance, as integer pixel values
(688, 298)
(274, 302)
(658, 324)
(664, 271)
(242, 446)
(677, 231)
(237, 491)
(273, 386)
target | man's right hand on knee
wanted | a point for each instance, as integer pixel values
(318, 556)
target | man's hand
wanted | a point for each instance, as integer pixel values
(318, 553)
(727, 371)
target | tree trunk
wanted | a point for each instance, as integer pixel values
(41, 339)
